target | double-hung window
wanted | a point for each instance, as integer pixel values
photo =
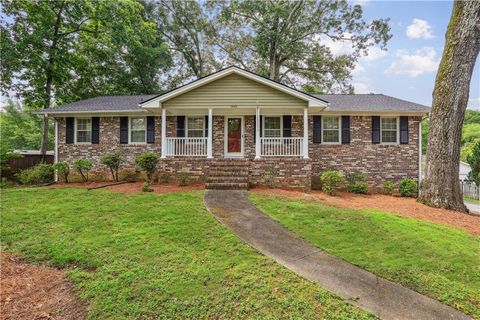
(138, 130)
(331, 129)
(196, 127)
(389, 130)
(83, 130)
(272, 127)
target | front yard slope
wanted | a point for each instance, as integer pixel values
(435, 260)
(148, 256)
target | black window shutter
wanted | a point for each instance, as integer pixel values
(180, 126)
(206, 126)
(255, 129)
(404, 130)
(261, 126)
(375, 129)
(95, 130)
(69, 127)
(345, 129)
(150, 129)
(123, 130)
(317, 129)
(287, 126)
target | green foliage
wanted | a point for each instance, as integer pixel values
(283, 40)
(41, 173)
(21, 129)
(83, 166)
(148, 163)
(165, 177)
(356, 183)
(182, 177)
(144, 255)
(5, 155)
(471, 117)
(147, 187)
(129, 175)
(63, 169)
(408, 188)
(332, 180)
(388, 187)
(112, 160)
(432, 259)
(473, 160)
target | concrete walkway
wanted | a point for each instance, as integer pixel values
(474, 208)
(383, 298)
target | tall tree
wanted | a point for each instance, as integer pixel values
(441, 187)
(287, 40)
(59, 51)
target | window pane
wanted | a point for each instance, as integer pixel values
(389, 136)
(137, 136)
(272, 123)
(84, 130)
(330, 123)
(272, 133)
(331, 136)
(389, 123)
(195, 127)
(84, 136)
(137, 124)
(84, 124)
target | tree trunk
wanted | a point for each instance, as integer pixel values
(441, 187)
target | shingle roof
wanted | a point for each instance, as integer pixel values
(370, 102)
(338, 102)
(102, 103)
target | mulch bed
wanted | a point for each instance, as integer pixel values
(31, 291)
(406, 207)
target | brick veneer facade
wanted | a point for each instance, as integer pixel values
(378, 162)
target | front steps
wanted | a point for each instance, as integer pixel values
(228, 174)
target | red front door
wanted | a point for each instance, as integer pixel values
(234, 135)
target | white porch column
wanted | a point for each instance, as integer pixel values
(56, 149)
(305, 133)
(164, 133)
(210, 134)
(257, 133)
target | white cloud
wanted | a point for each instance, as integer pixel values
(419, 29)
(361, 2)
(358, 69)
(362, 85)
(338, 47)
(414, 64)
(474, 103)
(374, 53)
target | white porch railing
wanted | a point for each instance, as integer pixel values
(280, 147)
(186, 147)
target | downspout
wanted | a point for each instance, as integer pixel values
(55, 159)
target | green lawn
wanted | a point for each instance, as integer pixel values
(471, 200)
(139, 256)
(435, 260)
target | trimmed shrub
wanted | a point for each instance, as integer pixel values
(182, 177)
(83, 166)
(129, 175)
(148, 163)
(147, 187)
(332, 180)
(388, 187)
(408, 188)
(63, 169)
(164, 177)
(112, 161)
(356, 183)
(41, 173)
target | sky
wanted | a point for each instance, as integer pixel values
(408, 68)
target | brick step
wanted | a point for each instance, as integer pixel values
(227, 186)
(233, 179)
(228, 173)
(230, 165)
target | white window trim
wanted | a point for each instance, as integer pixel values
(398, 131)
(339, 130)
(75, 130)
(263, 125)
(186, 126)
(130, 130)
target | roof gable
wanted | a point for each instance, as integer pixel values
(157, 101)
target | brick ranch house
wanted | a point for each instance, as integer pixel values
(234, 129)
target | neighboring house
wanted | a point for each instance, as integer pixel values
(464, 170)
(234, 128)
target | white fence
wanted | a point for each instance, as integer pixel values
(469, 189)
(186, 147)
(279, 147)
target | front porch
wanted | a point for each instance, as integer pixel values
(232, 133)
